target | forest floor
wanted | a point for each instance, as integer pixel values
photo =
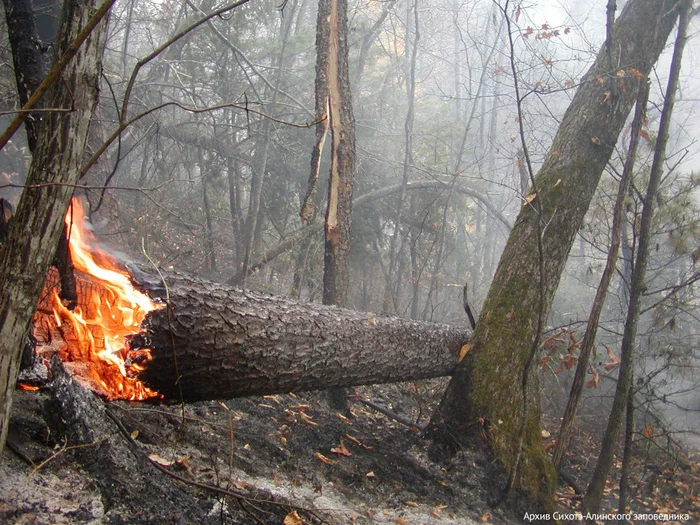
(284, 460)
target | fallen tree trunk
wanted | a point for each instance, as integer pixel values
(221, 342)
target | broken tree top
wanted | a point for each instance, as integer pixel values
(218, 342)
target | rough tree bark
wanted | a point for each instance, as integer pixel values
(38, 223)
(29, 58)
(480, 397)
(334, 109)
(222, 342)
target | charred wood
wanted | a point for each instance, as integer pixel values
(133, 491)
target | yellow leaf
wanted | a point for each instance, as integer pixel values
(557, 183)
(134, 434)
(183, 462)
(370, 475)
(595, 140)
(372, 321)
(412, 504)
(530, 198)
(463, 352)
(293, 519)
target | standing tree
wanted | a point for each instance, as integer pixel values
(480, 399)
(33, 237)
(594, 495)
(334, 110)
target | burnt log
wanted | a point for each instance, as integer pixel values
(213, 341)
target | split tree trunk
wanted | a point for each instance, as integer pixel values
(223, 342)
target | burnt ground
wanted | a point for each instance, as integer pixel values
(285, 459)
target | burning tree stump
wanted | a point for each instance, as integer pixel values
(218, 342)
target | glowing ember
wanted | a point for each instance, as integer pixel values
(106, 314)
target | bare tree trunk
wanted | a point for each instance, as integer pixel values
(367, 42)
(391, 298)
(627, 452)
(610, 265)
(480, 398)
(234, 196)
(594, 495)
(342, 127)
(26, 257)
(231, 343)
(253, 219)
(209, 248)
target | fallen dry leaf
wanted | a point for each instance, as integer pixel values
(341, 450)
(342, 417)
(293, 519)
(160, 460)
(358, 442)
(412, 504)
(307, 419)
(323, 458)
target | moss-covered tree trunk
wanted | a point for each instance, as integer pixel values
(484, 395)
(31, 243)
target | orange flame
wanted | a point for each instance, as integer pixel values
(106, 314)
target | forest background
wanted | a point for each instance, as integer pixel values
(440, 172)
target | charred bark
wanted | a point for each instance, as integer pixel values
(217, 342)
(30, 57)
(129, 484)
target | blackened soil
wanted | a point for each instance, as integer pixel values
(253, 460)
